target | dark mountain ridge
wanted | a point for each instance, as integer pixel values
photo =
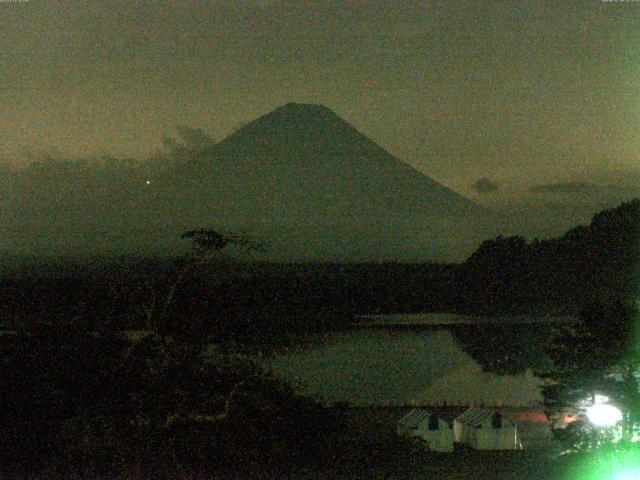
(300, 179)
(307, 134)
(315, 188)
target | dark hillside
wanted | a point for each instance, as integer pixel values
(250, 300)
(300, 179)
(597, 263)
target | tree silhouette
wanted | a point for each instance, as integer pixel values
(597, 263)
(206, 244)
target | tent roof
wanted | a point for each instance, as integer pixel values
(415, 417)
(475, 416)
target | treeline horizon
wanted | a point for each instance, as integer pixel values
(563, 275)
(596, 263)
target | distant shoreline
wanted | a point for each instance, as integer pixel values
(435, 319)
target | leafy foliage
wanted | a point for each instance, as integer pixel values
(77, 400)
(99, 404)
(600, 354)
(589, 264)
(207, 240)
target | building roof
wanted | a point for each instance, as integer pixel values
(415, 417)
(475, 416)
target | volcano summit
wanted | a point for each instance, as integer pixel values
(300, 179)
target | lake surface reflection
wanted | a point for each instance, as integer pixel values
(384, 367)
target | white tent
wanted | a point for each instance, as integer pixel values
(434, 431)
(485, 429)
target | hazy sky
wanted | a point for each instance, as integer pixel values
(519, 92)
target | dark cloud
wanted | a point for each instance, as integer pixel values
(567, 188)
(191, 143)
(484, 185)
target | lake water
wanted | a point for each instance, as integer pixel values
(377, 366)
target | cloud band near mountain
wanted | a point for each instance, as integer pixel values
(566, 188)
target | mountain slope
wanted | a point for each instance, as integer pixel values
(332, 161)
(299, 179)
(313, 187)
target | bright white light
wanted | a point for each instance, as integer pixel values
(148, 182)
(602, 415)
(632, 473)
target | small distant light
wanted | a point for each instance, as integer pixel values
(148, 182)
(603, 415)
